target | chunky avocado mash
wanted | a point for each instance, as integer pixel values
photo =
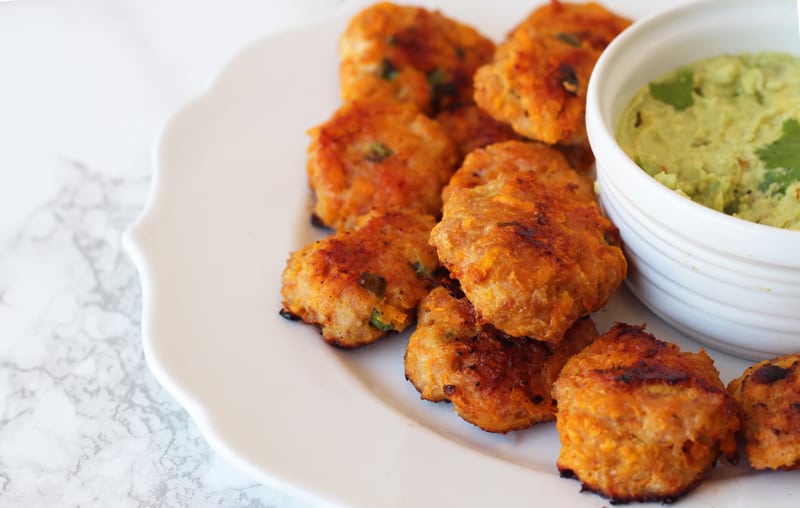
(724, 132)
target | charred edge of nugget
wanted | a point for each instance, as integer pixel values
(495, 381)
(646, 372)
(664, 499)
(502, 383)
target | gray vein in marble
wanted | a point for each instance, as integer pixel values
(82, 420)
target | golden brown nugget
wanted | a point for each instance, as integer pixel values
(410, 54)
(359, 285)
(521, 232)
(378, 155)
(640, 420)
(768, 395)
(495, 382)
(587, 25)
(470, 127)
(509, 158)
(539, 75)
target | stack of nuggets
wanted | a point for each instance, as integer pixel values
(377, 168)
(465, 204)
(497, 382)
(522, 233)
(519, 233)
(522, 237)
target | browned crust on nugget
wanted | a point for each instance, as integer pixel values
(641, 420)
(587, 25)
(378, 156)
(360, 285)
(522, 234)
(768, 395)
(496, 382)
(410, 54)
(470, 127)
(539, 76)
(510, 158)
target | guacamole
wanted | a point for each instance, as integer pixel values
(724, 132)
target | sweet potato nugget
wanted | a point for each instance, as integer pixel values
(410, 54)
(509, 158)
(640, 420)
(538, 78)
(359, 285)
(768, 395)
(521, 232)
(495, 382)
(378, 155)
(470, 127)
(587, 25)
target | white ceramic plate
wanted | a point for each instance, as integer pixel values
(229, 202)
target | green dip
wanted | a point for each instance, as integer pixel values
(724, 132)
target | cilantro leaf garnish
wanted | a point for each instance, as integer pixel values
(782, 159)
(388, 71)
(568, 78)
(676, 92)
(375, 284)
(569, 38)
(420, 269)
(378, 152)
(784, 152)
(443, 87)
(376, 321)
(437, 76)
(782, 178)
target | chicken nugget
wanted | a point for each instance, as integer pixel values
(539, 75)
(521, 232)
(359, 285)
(378, 155)
(768, 395)
(470, 127)
(587, 25)
(552, 166)
(410, 54)
(495, 382)
(640, 420)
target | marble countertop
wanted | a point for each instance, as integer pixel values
(86, 85)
